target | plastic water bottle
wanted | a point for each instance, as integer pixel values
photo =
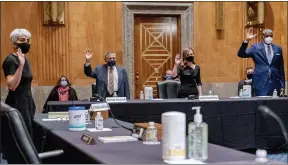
(210, 92)
(275, 94)
(87, 115)
(141, 95)
(99, 121)
(151, 134)
(261, 157)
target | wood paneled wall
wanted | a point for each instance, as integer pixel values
(60, 51)
(98, 25)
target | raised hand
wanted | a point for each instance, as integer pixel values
(89, 54)
(178, 59)
(21, 57)
(249, 34)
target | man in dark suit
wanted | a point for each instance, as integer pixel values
(111, 80)
(247, 81)
(269, 64)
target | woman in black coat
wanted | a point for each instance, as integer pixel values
(61, 92)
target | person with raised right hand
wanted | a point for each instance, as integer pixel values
(269, 64)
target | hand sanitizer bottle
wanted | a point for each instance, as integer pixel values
(141, 95)
(275, 94)
(198, 137)
(99, 121)
(261, 157)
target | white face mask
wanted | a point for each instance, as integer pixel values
(268, 40)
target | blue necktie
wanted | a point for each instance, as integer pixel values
(269, 54)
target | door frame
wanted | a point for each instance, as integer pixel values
(129, 9)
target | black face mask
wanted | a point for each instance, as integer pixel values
(249, 75)
(25, 47)
(111, 63)
(190, 59)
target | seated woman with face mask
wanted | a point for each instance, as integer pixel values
(189, 74)
(61, 92)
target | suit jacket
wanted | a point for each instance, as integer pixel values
(262, 83)
(100, 73)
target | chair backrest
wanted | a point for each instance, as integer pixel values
(93, 85)
(168, 89)
(17, 144)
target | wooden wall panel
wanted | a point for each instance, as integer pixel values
(216, 51)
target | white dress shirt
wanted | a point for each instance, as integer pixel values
(115, 74)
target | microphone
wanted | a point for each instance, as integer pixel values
(267, 111)
(282, 92)
(100, 98)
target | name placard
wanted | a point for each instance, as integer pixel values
(88, 139)
(99, 107)
(209, 97)
(115, 99)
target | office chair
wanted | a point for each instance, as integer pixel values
(21, 149)
(168, 89)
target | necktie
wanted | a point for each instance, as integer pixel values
(111, 82)
(269, 54)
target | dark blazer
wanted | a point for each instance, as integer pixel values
(100, 73)
(262, 84)
(54, 96)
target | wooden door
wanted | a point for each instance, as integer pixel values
(156, 42)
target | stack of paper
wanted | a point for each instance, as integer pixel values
(113, 139)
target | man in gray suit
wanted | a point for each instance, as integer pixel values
(111, 80)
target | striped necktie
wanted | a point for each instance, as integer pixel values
(269, 54)
(111, 81)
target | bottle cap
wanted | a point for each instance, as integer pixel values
(198, 116)
(151, 123)
(261, 153)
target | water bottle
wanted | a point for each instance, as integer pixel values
(151, 134)
(141, 95)
(210, 92)
(275, 94)
(99, 121)
(261, 157)
(87, 116)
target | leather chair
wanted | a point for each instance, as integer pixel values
(168, 89)
(93, 85)
(21, 149)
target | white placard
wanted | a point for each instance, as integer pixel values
(115, 99)
(186, 161)
(96, 130)
(99, 107)
(208, 97)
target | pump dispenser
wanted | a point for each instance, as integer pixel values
(198, 137)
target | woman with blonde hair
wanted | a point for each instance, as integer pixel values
(189, 74)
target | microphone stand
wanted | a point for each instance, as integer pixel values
(101, 99)
(265, 110)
